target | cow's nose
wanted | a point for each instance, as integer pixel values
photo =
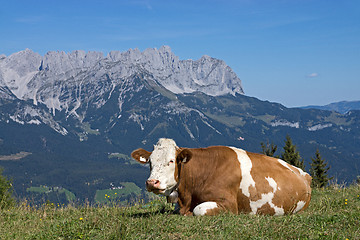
(152, 184)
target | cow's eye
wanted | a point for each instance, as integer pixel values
(171, 161)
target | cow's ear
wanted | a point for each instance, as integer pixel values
(141, 155)
(184, 156)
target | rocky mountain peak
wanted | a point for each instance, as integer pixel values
(62, 80)
(61, 62)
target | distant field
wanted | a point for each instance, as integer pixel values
(70, 197)
(124, 157)
(115, 195)
(334, 213)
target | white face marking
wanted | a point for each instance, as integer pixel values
(245, 166)
(267, 198)
(201, 209)
(299, 206)
(163, 164)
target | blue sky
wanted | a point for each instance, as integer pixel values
(289, 51)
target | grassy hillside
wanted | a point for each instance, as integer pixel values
(334, 213)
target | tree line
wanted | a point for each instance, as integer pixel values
(319, 167)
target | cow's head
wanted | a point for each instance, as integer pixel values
(164, 165)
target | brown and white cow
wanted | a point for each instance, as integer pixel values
(206, 181)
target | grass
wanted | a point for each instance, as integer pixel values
(334, 213)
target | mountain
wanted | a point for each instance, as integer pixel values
(30, 77)
(72, 120)
(340, 107)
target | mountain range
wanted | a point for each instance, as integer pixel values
(340, 107)
(71, 120)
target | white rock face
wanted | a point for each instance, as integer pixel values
(60, 62)
(286, 123)
(319, 127)
(207, 75)
(17, 70)
(47, 78)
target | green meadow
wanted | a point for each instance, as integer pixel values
(334, 213)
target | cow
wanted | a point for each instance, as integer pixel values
(207, 181)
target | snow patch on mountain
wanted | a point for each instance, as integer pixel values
(32, 115)
(15, 119)
(138, 119)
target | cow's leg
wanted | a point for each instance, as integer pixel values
(184, 201)
(228, 204)
(206, 208)
(185, 211)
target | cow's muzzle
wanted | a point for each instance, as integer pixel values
(153, 185)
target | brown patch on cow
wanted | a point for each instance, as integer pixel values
(262, 186)
(266, 209)
(214, 211)
(176, 173)
(243, 203)
(177, 164)
(253, 192)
